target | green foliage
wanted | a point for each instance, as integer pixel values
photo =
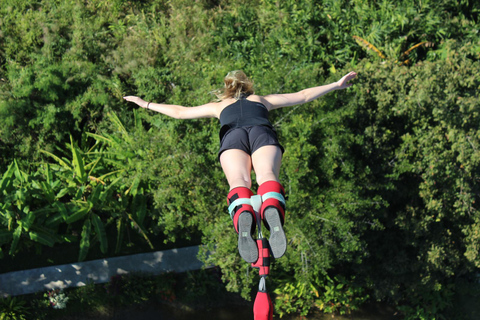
(63, 64)
(74, 193)
(432, 304)
(295, 297)
(13, 308)
(338, 295)
(90, 297)
(24, 214)
(418, 134)
(139, 288)
(381, 179)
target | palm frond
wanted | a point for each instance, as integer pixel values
(424, 43)
(364, 43)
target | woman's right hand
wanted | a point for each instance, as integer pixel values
(344, 82)
(142, 103)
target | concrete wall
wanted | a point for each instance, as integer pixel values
(98, 271)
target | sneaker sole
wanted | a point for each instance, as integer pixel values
(247, 246)
(278, 240)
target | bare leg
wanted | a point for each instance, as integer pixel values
(237, 166)
(266, 163)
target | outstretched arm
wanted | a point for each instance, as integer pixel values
(307, 95)
(178, 112)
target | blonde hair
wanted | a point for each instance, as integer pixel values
(236, 84)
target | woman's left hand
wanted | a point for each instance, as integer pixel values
(343, 83)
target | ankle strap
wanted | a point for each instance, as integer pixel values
(266, 196)
(274, 195)
(238, 202)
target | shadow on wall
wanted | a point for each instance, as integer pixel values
(98, 271)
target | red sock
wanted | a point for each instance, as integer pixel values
(240, 193)
(275, 188)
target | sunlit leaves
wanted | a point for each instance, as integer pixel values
(382, 179)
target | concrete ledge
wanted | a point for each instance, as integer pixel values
(98, 271)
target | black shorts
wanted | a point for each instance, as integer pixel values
(249, 139)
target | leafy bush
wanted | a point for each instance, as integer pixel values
(53, 204)
(381, 178)
(13, 308)
(338, 295)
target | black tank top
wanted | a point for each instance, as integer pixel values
(243, 113)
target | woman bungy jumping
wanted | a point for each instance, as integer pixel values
(248, 141)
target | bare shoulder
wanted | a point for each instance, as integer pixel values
(260, 99)
(208, 110)
(280, 100)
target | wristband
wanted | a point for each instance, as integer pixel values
(148, 105)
